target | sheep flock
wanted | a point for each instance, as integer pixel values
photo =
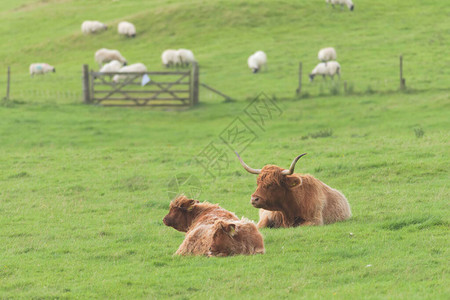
(112, 61)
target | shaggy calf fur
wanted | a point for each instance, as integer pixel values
(232, 238)
(288, 199)
(212, 230)
(186, 214)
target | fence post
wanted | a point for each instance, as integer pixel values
(86, 96)
(195, 86)
(8, 83)
(402, 80)
(299, 89)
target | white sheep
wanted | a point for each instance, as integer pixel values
(257, 60)
(134, 68)
(126, 28)
(88, 27)
(185, 57)
(112, 66)
(104, 55)
(41, 68)
(327, 54)
(330, 68)
(170, 58)
(349, 3)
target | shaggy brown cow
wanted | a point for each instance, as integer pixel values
(232, 238)
(197, 241)
(206, 224)
(286, 199)
(223, 238)
(186, 214)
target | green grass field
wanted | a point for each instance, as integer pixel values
(83, 189)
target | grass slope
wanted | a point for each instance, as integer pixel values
(83, 189)
(223, 34)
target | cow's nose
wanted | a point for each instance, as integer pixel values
(254, 199)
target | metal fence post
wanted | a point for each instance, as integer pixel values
(299, 89)
(86, 88)
(402, 80)
(8, 83)
(195, 91)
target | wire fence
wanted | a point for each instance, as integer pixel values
(41, 88)
(66, 87)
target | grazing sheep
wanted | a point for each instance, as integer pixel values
(349, 3)
(126, 28)
(41, 68)
(327, 54)
(170, 58)
(330, 68)
(112, 66)
(134, 68)
(185, 57)
(104, 55)
(88, 27)
(257, 60)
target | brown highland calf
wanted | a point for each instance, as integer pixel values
(212, 230)
(237, 237)
(286, 199)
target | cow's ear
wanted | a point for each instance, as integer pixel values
(293, 181)
(189, 205)
(229, 229)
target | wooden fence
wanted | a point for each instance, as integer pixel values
(172, 88)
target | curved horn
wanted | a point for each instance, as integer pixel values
(250, 170)
(291, 168)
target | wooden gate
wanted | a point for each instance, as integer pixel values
(175, 88)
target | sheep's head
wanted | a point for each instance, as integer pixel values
(311, 77)
(54, 70)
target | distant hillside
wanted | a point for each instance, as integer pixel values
(223, 34)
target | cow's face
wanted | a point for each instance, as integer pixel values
(222, 240)
(273, 188)
(274, 185)
(180, 213)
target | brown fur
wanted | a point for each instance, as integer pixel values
(223, 238)
(185, 214)
(237, 237)
(297, 199)
(197, 241)
(200, 222)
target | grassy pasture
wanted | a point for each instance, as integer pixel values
(83, 189)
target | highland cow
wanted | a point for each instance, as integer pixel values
(286, 199)
(241, 237)
(186, 214)
(212, 230)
